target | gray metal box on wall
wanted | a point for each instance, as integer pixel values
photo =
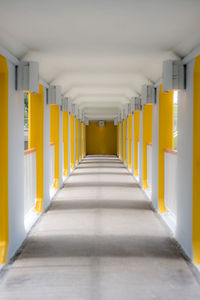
(147, 94)
(173, 75)
(28, 76)
(55, 94)
(137, 103)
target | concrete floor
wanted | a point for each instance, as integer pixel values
(100, 240)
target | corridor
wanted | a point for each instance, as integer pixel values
(100, 239)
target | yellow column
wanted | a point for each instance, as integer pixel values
(79, 122)
(85, 140)
(35, 139)
(72, 140)
(147, 138)
(82, 140)
(196, 162)
(4, 223)
(119, 135)
(77, 141)
(125, 141)
(136, 140)
(122, 141)
(130, 120)
(54, 138)
(165, 139)
(65, 141)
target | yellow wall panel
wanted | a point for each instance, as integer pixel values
(35, 139)
(4, 232)
(65, 141)
(54, 138)
(136, 140)
(130, 120)
(101, 140)
(196, 163)
(165, 139)
(147, 138)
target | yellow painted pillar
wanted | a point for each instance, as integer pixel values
(35, 139)
(122, 141)
(165, 139)
(136, 140)
(82, 141)
(119, 135)
(147, 138)
(4, 223)
(79, 140)
(77, 125)
(54, 138)
(130, 120)
(65, 141)
(72, 140)
(125, 141)
(196, 162)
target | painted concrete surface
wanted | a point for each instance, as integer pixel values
(99, 240)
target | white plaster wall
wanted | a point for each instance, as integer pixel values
(15, 164)
(46, 151)
(61, 162)
(185, 164)
(155, 141)
(141, 150)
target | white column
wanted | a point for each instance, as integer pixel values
(46, 153)
(141, 150)
(60, 149)
(15, 164)
(185, 164)
(69, 144)
(155, 146)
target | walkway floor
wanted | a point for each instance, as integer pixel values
(100, 240)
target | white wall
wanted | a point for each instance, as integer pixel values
(141, 150)
(185, 164)
(46, 151)
(61, 149)
(155, 127)
(15, 164)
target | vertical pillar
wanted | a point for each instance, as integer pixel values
(130, 142)
(80, 138)
(54, 138)
(141, 149)
(77, 139)
(65, 140)
(122, 140)
(136, 140)
(72, 140)
(165, 139)
(196, 162)
(35, 139)
(155, 129)
(4, 160)
(147, 138)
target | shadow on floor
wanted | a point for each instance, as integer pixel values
(100, 246)
(99, 167)
(100, 173)
(101, 184)
(103, 204)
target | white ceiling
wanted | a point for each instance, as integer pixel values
(100, 52)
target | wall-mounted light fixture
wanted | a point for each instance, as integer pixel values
(28, 77)
(54, 95)
(173, 75)
(147, 94)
